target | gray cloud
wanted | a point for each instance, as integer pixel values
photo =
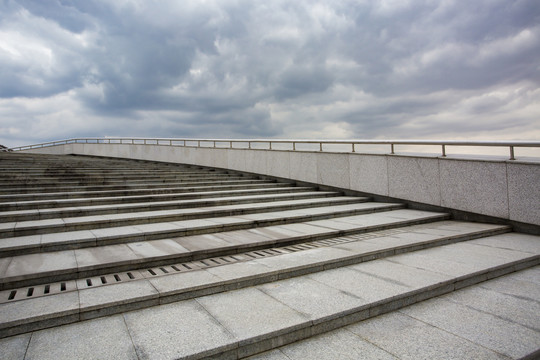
(354, 69)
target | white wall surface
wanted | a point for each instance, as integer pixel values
(504, 189)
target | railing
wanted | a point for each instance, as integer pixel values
(271, 143)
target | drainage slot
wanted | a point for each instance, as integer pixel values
(202, 262)
(117, 278)
(187, 267)
(267, 252)
(175, 268)
(258, 253)
(215, 261)
(225, 260)
(103, 280)
(89, 282)
(251, 255)
(152, 272)
(63, 287)
(130, 275)
(234, 258)
(164, 270)
(30, 292)
(47, 289)
(12, 295)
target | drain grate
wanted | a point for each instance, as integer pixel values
(111, 279)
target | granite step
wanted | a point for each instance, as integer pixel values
(495, 319)
(236, 323)
(65, 191)
(51, 213)
(234, 217)
(321, 205)
(116, 249)
(105, 200)
(212, 275)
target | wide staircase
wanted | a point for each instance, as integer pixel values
(125, 259)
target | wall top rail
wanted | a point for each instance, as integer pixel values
(270, 143)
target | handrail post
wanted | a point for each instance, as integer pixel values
(443, 150)
(199, 143)
(170, 142)
(320, 146)
(294, 146)
(512, 153)
(230, 144)
(270, 143)
(214, 143)
(392, 149)
(249, 145)
(353, 150)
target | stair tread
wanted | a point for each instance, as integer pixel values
(245, 319)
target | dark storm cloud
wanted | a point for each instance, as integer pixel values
(268, 69)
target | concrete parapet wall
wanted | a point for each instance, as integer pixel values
(502, 189)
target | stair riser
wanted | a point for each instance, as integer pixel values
(157, 207)
(192, 256)
(146, 198)
(311, 328)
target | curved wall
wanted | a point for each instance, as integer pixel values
(502, 189)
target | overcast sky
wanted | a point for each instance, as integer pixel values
(388, 69)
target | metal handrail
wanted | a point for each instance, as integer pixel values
(353, 143)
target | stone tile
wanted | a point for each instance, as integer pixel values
(158, 227)
(305, 258)
(369, 173)
(333, 170)
(515, 285)
(193, 224)
(117, 294)
(365, 247)
(415, 179)
(270, 355)
(52, 263)
(335, 345)
(279, 164)
(303, 166)
(524, 192)
(311, 298)
(487, 330)
(19, 242)
(335, 224)
(474, 186)
(176, 330)
(364, 286)
(298, 229)
(14, 348)
(103, 338)
(121, 231)
(4, 264)
(39, 308)
(249, 313)
(92, 258)
(393, 272)
(522, 310)
(241, 270)
(512, 241)
(68, 237)
(428, 260)
(201, 242)
(85, 219)
(408, 338)
(157, 248)
(479, 255)
(184, 281)
(38, 223)
(530, 275)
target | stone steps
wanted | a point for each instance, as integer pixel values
(128, 290)
(105, 200)
(50, 213)
(216, 265)
(246, 321)
(88, 253)
(68, 191)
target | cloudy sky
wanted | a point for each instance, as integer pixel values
(387, 69)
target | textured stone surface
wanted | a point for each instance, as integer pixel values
(249, 313)
(304, 166)
(175, 330)
(369, 173)
(14, 348)
(408, 338)
(488, 330)
(104, 338)
(415, 179)
(279, 164)
(333, 170)
(475, 186)
(524, 192)
(116, 295)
